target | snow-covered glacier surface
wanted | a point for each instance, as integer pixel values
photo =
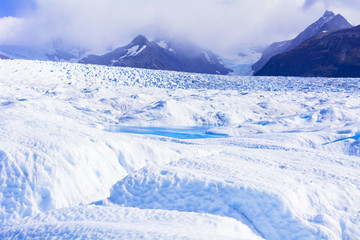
(284, 163)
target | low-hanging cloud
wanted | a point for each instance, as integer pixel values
(333, 3)
(309, 3)
(221, 25)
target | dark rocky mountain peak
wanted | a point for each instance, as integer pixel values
(139, 40)
(328, 14)
(328, 54)
(328, 22)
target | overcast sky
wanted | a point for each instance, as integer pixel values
(223, 26)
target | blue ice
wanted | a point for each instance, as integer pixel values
(178, 133)
(355, 137)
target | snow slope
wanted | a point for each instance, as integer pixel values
(92, 222)
(288, 170)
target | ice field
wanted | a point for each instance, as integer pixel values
(95, 152)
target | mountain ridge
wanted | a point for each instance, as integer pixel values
(171, 54)
(328, 22)
(328, 54)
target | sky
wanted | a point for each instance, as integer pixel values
(15, 7)
(224, 26)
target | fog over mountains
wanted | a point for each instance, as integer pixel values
(174, 54)
(177, 53)
(215, 24)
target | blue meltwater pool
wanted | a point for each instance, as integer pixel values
(179, 133)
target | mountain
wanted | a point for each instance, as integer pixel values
(329, 54)
(52, 51)
(328, 22)
(175, 54)
(3, 57)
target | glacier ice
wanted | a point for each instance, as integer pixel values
(273, 177)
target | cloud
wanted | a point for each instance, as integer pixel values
(348, 8)
(221, 25)
(10, 28)
(309, 3)
(338, 4)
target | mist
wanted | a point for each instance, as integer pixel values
(224, 26)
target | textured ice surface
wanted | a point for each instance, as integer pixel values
(288, 170)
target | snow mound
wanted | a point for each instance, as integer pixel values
(93, 222)
(162, 189)
(286, 206)
(134, 51)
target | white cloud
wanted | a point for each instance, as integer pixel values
(221, 25)
(10, 28)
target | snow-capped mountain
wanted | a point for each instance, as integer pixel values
(329, 54)
(173, 54)
(328, 22)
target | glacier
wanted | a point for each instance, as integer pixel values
(286, 168)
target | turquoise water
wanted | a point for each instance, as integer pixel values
(178, 133)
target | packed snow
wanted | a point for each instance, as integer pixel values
(284, 163)
(165, 46)
(162, 44)
(134, 51)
